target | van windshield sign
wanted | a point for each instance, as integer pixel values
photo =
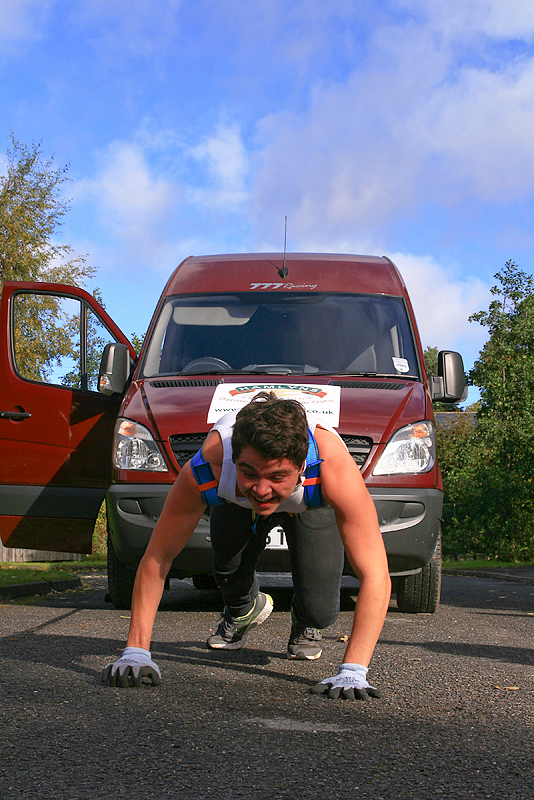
(320, 400)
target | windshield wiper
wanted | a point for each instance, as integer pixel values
(281, 369)
(395, 375)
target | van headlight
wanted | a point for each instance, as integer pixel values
(134, 447)
(410, 451)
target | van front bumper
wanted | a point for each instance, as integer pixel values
(133, 511)
(409, 520)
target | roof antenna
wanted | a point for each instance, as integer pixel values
(284, 272)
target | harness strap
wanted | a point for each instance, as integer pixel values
(207, 484)
(313, 494)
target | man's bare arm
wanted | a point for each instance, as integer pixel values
(345, 490)
(179, 517)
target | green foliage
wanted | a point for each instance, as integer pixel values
(40, 334)
(137, 342)
(31, 212)
(488, 466)
(431, 360)
(100, 534)
(94, 346)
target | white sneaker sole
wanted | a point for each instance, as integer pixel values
(305, 658)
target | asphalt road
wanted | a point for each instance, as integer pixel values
(456, 719)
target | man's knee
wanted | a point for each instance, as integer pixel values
(316, 611)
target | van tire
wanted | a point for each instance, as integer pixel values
(120, 579)
(420, 593)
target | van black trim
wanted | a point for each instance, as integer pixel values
(183, 384)
(366, 384)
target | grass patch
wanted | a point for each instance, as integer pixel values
(13, 573)
(24, 572)
(483, 564)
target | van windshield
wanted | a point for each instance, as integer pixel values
(287, 333)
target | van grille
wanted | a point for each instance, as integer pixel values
(358, 446)
(184, 446)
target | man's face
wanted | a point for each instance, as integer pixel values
(265, 483)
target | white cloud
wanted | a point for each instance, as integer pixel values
(226, 160)
(424, 120)
(148, 216)
(22, 21)
(133, 208)
(514, 18)
(130, 198)
(443, 303)
(478, 132)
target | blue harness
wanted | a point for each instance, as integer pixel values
(313, 495)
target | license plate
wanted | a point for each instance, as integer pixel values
(276, 539)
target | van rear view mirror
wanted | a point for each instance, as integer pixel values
(450, 385)
(114, 369)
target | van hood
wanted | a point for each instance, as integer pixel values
(374, 408)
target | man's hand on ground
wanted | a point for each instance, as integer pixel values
(134, 665)
(349, 684)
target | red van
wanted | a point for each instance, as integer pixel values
(336, 331)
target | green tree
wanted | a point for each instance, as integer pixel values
(137, 341)
(32, 208)
(490, 466)
(95, 340)
(31, 212)
(504, 371)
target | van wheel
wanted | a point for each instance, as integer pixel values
(204, 581)
(120, 579)
(420, 594)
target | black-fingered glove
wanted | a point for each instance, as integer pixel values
(349, 684)
(134, 665)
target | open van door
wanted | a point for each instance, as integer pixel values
(56, 429)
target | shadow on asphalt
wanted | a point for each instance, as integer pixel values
(188, 599)
(504, 653)
(69, 652)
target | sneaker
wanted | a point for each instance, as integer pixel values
(232, 631)
(304, 643)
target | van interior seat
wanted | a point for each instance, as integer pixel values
(365, 362)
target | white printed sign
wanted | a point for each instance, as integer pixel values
(401, 364)
(321, 400)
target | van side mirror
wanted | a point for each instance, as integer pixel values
(450, 385)
(114, 369)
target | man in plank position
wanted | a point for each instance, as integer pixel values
(270, 465)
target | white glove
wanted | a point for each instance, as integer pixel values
(135, 664)
(349, 684)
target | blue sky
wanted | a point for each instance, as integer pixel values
(395, 127)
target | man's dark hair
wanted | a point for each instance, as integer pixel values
(274, 427)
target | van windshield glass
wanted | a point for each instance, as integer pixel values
(282, 333)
